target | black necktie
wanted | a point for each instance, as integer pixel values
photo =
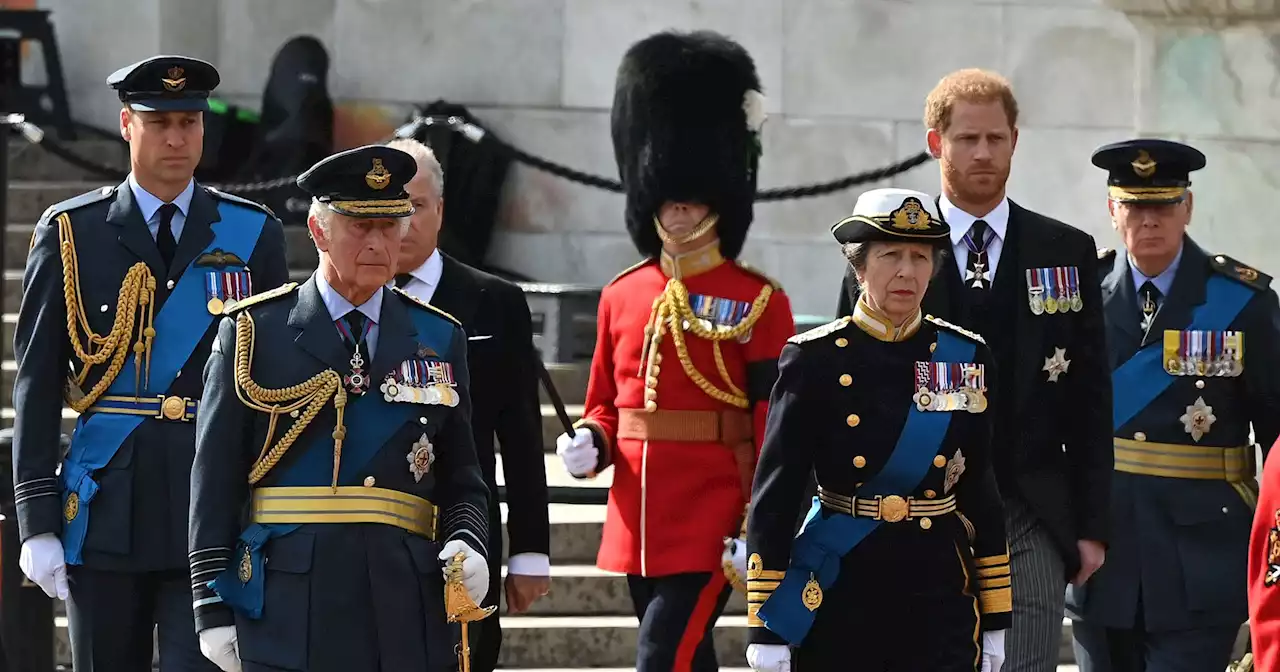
(977, 272)
(1148, 303)
(355, 322)
(164, 237)
(403, 279)
(357, 382)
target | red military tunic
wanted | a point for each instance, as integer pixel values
(673, 501)
(1264, 570)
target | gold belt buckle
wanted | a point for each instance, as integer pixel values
(893, 508)
(173, 408)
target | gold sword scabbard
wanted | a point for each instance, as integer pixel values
(460, 608)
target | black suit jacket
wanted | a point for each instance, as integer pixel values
(1057, 449)
(504, 392)
(139, 516)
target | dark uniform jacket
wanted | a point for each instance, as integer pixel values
(338, 595)
(139, 515)
(1179, 552)
(838, 409)
(1052, 437)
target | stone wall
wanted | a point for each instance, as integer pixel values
(845, 81)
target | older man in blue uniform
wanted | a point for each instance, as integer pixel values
(1194, 344)
(337, 416)
(121, 297)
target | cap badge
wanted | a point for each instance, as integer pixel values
(175, 81)
(379, 177)
(911, 215)
(1144, 166)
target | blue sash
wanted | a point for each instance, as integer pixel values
(822, 543)
(1142, 378)
(180, 326)
(371, 422)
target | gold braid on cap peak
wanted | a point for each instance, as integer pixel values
(313, 393)
(671, 312)
(134, 307)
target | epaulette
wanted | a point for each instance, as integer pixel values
(751, 270)
(1106, 253)
(939, 322)
(426, 305)
(1238, 271)
(77, 202)
(218, 193)
(630, 269)
(261, 298)
(824, 330)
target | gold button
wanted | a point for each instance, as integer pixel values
(939, 461)
(930, 494)
(841, 342)
(650, 406)
(925, 523)
(859, 461)
(650, 394)
(1199, 384)
(1139, 436)
(846, 380)
(933, 346)
(1220, 259)
(657, 358)
(369, 481)
(173, 408)
(853, 420)
(654, 370)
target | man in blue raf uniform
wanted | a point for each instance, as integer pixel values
(1193, 347)
(338, 417)
(121, 297)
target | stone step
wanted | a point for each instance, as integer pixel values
(30, 162)
(28, 199)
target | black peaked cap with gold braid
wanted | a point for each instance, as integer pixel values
(681, 133)
(365, 182)
(895, 215)
(1148, 170)
(166, 84)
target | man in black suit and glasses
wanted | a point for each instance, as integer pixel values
(1029, 284)
(504, 394)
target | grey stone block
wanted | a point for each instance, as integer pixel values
(250, 33)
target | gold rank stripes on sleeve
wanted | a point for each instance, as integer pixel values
(134, 307)
(995, 592)
(761, 583)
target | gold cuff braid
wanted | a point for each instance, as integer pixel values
(135, 306)
(314, 393)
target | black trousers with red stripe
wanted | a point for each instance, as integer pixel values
(677, 616)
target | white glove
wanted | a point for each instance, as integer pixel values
(992, 650)
(769, 657)
(475, 569)
(221, 646)
(735, 551)
(42, 561)
(578, 452)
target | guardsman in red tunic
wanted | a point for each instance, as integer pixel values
(1264, 570)
(687, 344)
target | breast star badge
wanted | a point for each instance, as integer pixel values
(1198, 419)
(955, 467)
(1057, 364)
(421, 455)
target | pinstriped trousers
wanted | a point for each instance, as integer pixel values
(1039, 593)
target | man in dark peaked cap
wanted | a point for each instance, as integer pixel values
(687, 347)
(1193, 341)
(127, 283)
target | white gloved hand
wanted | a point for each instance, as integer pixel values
(42, 561)
(578, 452)
(769, 657)
(735, 552)
(221, 646)
(475, 569)
(992, 650)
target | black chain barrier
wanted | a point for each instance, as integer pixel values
(474, 133)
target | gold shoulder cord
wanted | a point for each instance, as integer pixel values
(671, 311)
(137, 294)
(314, 393)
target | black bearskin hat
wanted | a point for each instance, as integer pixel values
(680, 132)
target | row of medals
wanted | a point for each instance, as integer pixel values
(968, 399)
(1224, 365)
(434, 394)
(1041, 304)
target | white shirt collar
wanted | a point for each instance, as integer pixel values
(430, 270)
(338, 306)
(148, 203)
(960, 221)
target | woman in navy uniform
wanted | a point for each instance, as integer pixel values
(903, 560)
